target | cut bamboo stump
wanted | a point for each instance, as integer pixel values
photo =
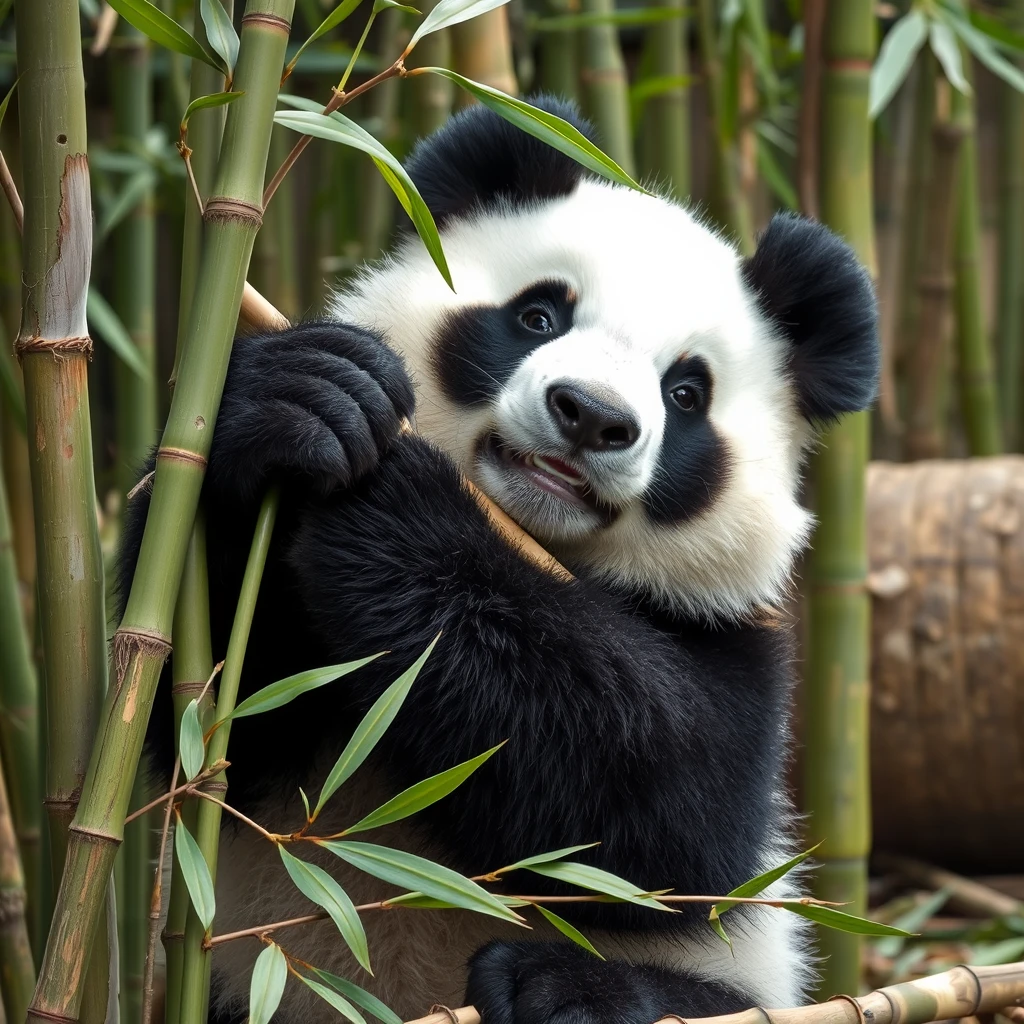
(947, 706)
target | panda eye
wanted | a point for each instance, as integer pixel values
(687, 397)
(537, 320)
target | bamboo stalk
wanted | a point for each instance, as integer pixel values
(605, 88)
(809, 131)
(558, 57)
(482, 50)
(666, 122)
(928, 361)
(836, 790)
(54, 347)
(232, 218)
(274, 259)
(975, 373)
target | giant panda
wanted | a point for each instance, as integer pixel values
(637, 396)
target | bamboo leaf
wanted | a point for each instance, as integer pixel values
(718, 928)
(135, 190)
(190, 741)
(947, 50)
(982, 48)
(757, 885)
(913, 920)
(269, 974)
(214, 99)
(996, 30)
(317, 885)
(899, 48)
(11, 392)
(220, 32)
(195, 873)
(424, 876)
(423, 794)
(371, 728)
(363, 999)
(164, 30)
(597, 880)
(102, 317)
(7, 99)
(305, 801)
(568, 930)
(448, 13)
(338, 128)
(540, 124)
(381, 5)
(332, 998)
(841, 922)
(989, 955)
(775, 176)
(333, 20)
(544, 858)
(285, 690)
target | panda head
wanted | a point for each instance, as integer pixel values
(613, 373)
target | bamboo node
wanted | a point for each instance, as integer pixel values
(446, 1010)
(193, 686)
(92, 835)
(272, 21)
(47, 1015)
(853, 1002)
(57, 347)
(144, 641)
(227, 208)
(182, 455)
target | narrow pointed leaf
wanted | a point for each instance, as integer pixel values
(597, 880)
(381, 5)
(103, 319)
(195, 873)
(421, 875)
(7, 99)
(164, 30)
(982, 48)
(897, 53)
(338, 128)
(718, 928)
(285, 690)
(335, 999)
(996, 30)
(305, 801)
(214, 99)
(269, 974)
(317, 885)
(451, 12)
(913, 920)
(335, 18)
(363, 999)
(554, 131)
(568, 930)
(220, 32)
(991, 954)
(544, 858)
(132, 193)
(371, 728)
(423, 794)
(757, 885)
(190, 741)
(841, 922)
(946, 48)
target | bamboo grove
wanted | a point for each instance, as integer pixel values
(172, 169)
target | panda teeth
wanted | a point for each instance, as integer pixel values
(545, 467)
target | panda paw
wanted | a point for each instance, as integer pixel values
(316, 404)
(556, 983)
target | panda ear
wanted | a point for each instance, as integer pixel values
(478, 160)
(810, 284)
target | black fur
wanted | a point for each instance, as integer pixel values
(658, 736)
(811, 284)
(477, 161)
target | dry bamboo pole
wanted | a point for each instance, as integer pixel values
(430, 96)
(604, 85)
(558, 57)
(665, 139)
(835, 714)
(974, 371)
(928, 360)
(54, 347)
(963, 992)
(232, 217)
(17, 970)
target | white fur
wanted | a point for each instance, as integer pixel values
(654, 285)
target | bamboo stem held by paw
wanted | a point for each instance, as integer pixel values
(257, 314)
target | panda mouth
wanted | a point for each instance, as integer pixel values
(545, 472)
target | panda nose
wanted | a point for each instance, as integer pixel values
(590, 422)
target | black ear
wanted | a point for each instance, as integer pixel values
(811, 284)
(478, 160)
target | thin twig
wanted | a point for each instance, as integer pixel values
(105, 25)
(156, 904)
(186, 155)
(238, 814)
(11, 191)
(185, 789)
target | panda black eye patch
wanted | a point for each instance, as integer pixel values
(478, 348)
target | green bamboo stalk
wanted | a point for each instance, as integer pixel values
(975, 372)
(558, 58)
(274, 270)
(836, 682)
(482, 50)
(665, 140)
(232, 217)
(16, 966)
(430, 96)
(54, 347)
(605, 88)
(928, 362)
(196, 975)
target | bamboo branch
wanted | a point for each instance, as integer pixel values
(11, 191)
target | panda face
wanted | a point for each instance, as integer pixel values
(615, 377)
